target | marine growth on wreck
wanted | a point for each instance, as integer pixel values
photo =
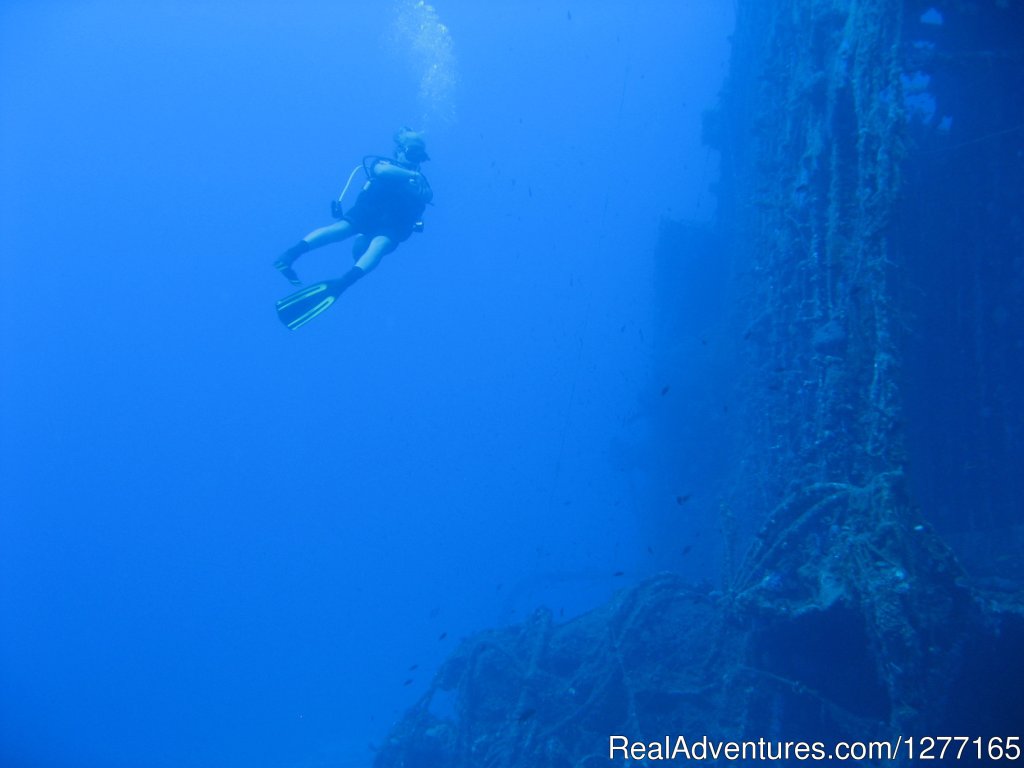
(871, 173)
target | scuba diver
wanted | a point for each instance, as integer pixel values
(386, 213)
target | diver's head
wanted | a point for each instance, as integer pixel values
(410, 146)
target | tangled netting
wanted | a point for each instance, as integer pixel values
(547, 694)
(867, 637)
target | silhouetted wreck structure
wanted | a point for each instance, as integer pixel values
(872, 171)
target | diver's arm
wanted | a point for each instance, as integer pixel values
(382, 169)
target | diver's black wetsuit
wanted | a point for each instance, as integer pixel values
(390, 206)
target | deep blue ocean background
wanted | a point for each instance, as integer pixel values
(226, 544)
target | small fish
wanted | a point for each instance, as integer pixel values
(680, 500)
(408, 682)
(568, 15)
(413, 668)
(619, 573)
(665, 389)
(442, 636)
(526, 714)
(686, 549)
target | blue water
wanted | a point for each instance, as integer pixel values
(223, 543)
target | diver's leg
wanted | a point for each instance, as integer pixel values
(359, 246)
(370, 257)
(375, 251)
(332, 233)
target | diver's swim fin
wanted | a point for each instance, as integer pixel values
(302, 306)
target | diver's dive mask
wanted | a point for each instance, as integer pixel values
(412, 145)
